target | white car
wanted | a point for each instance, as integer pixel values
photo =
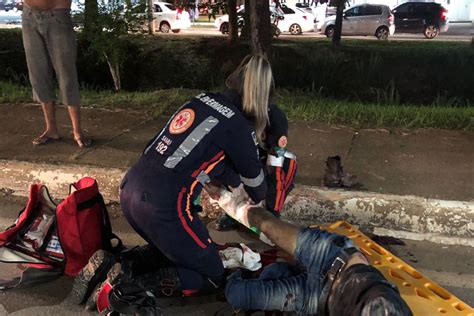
(365, 19)
(168, 18)
(295, 21)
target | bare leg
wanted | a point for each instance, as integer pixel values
(51, 131)
(75, 115)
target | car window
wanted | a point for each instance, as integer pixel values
(355, 11)
(372, 10)
(287, 10)
(171, 7)
(405, 8)
(158, 8)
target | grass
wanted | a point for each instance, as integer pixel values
(299, 106)
(312, 107)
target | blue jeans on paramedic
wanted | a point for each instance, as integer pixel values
(280, 289)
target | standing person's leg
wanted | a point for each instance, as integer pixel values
(40, 73)
(62, 48)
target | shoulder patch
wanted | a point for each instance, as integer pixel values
(282, 142)
(182, 121)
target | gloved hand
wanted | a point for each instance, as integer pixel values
(236, 205)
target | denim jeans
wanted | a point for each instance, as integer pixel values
(280, 289)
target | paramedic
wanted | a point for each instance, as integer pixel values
(160, 193)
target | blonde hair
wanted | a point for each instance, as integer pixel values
(253, 79)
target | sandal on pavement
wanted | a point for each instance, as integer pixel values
(83, 142)
(44, 139)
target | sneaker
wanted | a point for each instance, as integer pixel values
(93, 273)
(225, 223)
(112, 278)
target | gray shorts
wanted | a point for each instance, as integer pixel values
(50, 47)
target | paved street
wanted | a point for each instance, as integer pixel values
(450, 266)
(457, 31)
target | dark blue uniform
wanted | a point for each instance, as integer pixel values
(159, 193)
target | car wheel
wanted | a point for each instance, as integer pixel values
(382, 33)
(176, 30)
(165, 27)
(295, 29)
(330, 31)
(431, 31)
(225, 28)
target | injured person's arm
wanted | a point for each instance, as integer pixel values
(239, 207)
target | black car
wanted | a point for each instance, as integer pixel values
(428, 18)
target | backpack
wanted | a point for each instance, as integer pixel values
(52, 240)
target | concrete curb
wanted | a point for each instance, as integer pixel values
(412, 217)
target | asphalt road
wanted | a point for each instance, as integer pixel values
(450, 266)
(457, 31)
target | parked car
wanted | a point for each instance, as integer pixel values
(169, 18)
(428, 18)
(222, 22)
(294, 20)
(365, 19)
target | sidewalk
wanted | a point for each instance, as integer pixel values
(428, 164)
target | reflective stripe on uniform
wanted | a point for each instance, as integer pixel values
(191, 141)
(254, 182)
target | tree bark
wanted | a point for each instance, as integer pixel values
(233, 28)
(336, 39)
(91, 12)
(115, 72)
(246, 29)
(260, 28)
(151, 24)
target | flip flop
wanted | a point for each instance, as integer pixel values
(83, 142)
(44, 140)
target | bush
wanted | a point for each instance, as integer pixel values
(365, 71)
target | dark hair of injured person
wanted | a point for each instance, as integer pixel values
(362, 290)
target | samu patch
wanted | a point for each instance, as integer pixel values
(182, 121)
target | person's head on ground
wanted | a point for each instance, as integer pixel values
(363, 290)
(253, 79)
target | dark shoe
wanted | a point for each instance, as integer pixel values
(143, 259)
(139, 296)
(163, 282)
(92, 274)
(112, 277)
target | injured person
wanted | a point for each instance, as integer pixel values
(331, 278)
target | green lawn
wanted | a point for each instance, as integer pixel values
(299, 106)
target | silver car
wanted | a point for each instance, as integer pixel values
(365, 19)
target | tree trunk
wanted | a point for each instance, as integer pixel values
(233, 28)
(151, 24)
(261, 34)
(115, 72)
(336, 39)
(91, 12)
(246, 29)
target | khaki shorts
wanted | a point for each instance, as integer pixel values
(50, 47)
